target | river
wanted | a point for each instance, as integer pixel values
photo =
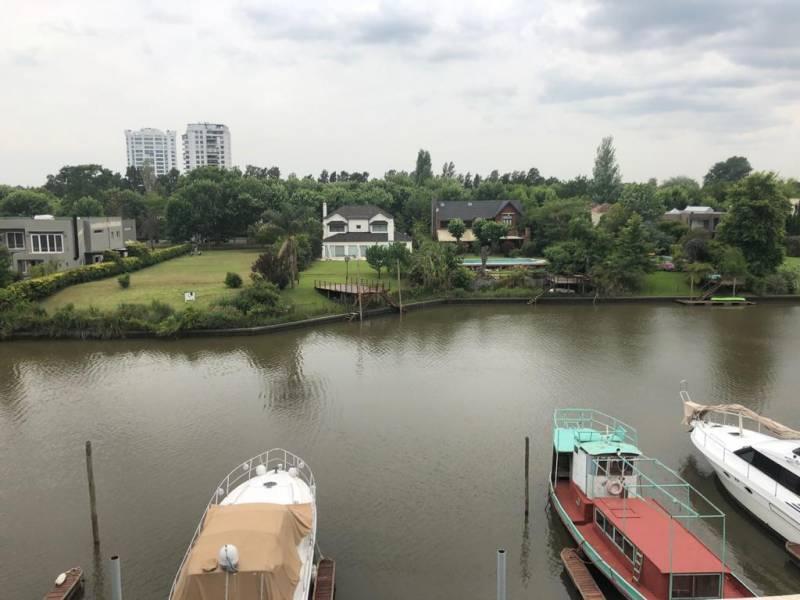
(414, 428)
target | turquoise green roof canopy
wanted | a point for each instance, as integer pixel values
(592, 441)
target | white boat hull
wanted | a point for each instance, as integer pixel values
(750, 488)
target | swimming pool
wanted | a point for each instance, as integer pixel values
(506, 262)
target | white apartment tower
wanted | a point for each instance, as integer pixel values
(153, 147)
(206, 144)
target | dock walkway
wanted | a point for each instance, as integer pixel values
(326, 580)
(580, 575)
(353, 290)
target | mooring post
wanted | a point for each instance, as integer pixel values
(501, 574)
(116, 578)
(399, 289)
(92, 498)
(527, 473)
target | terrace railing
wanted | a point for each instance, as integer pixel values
(588, 418)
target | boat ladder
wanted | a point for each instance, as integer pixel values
(637, 565)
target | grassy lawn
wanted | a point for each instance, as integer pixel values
(664, 283)
(165, 282)
(792, 261)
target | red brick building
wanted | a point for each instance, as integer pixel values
(502, 211)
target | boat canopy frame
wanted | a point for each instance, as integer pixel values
(582, 421)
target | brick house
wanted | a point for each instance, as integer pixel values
(502, 211)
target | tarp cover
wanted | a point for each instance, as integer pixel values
(693, 410)
(266, 536)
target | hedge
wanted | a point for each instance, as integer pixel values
(41, 287)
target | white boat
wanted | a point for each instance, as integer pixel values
(755, 458)
(257, 536)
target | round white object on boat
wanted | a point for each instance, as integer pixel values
(261, 470)
(228, 558)
(300, 463)
(293, 472)
(220, 492)
(61, 579)
(246, 466)
(614, 487)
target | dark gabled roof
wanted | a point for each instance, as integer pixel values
(365, 236)
(359, 211)
(472, 209)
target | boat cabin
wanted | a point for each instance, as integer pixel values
(629, 521)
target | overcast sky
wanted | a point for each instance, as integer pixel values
(680, 84)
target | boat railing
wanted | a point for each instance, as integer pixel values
(720, 416)
(589, 418)
(751, 474)
(276, 458)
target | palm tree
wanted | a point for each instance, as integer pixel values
(291, 226)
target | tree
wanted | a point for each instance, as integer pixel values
(82, 207)
(606, 176)
(550, 223)
(731, 170)
(731, 264)
(378, 258)
(271, 267)
(424, 169)
(456, 228)
(488, 234)
(26, 203)
(641, 198)
(448, 170)
(6, 275)
(74, 182)
(697, 272)
(756, 222)
(629, 260)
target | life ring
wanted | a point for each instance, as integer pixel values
(614, 487)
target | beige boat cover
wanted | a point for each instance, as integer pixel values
(693, 410)
(266, 536)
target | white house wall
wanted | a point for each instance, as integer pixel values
(355, 250)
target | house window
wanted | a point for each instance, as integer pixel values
(336, 227)
(15, 240)
(380, 227)
(508, 219)
(358, 226)
(338, 251)
(47, 243)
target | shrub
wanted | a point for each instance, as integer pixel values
(40, 287)
(528, 249)
(462, 278)
(46, 268)
(793, 245)
(137, 249)
(262, 297)
(233, 280)
(124, 281)
(272, 268)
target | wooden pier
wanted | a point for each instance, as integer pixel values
(580, 575)
(70, 589)
(325, 584)
(716, 302)
(353, 291)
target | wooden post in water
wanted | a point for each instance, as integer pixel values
(527, 469)
(399, 289)
(358, 288)
(92, 498)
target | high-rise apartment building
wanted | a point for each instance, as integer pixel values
(153, 147)
(206, 144)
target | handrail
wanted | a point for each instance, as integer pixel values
(589, 418)
(274, 458)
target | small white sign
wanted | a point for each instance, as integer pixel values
(189, 296)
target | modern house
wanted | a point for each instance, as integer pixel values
(502, 211)
(703, 218)
(66, 241)
(350, 230)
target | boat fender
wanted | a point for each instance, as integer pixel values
(61, 579)
(614, 487)
(228, 558)
(314, 569)
(293, 472)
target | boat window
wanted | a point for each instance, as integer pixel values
(615, 535)
(627, 549)
(771, 469)
(618, 537)
(600, 519)
(609, 528)
(696, 587)
(619, 467)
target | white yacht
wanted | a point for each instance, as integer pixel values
(256, 539)
(755, 458)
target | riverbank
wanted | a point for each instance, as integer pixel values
(286, 325)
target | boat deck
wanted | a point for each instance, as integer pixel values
(71, 589)
(580, 575)
(326, 580)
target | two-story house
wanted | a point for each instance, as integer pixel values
(508, 212)
(349, 230)
(703, 218)
(66, 241)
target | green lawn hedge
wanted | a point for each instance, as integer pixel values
(41, 287)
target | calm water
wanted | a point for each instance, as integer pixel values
(414, 429)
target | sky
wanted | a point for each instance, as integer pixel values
(361, 86)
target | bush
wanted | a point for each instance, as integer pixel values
(793, 245)
(137, 249)
(46, 268)
(233, 280)
(262, 297)
(528, 249)
(40, 287)
(124, 281)
(272, 268)
(462, 278)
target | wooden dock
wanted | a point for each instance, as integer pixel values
(70, 589)
(713, 302)
(325, 584)
(352, 291)
(580, 575)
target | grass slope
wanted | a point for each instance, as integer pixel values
(664, 283)
(166, 282)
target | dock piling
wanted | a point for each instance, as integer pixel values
(92, 497)
(527, 474)
(116, 578)
(501, 574)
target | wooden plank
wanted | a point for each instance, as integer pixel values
(580, 575)
(325, 584)
(71, 589)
